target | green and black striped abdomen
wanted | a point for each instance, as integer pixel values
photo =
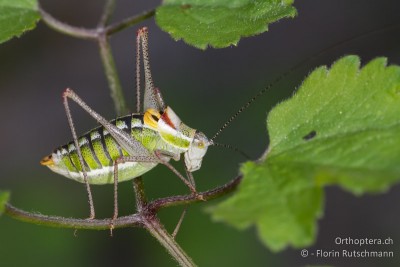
(99, 149)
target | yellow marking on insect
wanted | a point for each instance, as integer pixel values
(47, 161)
(151, 117)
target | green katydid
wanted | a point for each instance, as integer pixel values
(132, 145)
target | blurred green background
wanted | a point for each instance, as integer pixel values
(204, 88)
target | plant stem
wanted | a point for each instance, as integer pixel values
(146, 216)
(107, 13)
(138, 187)
(189, 199)
(55, 221)
(112, 75)
(91, 34)
(129, 22)
(135, 220)
(157, 230)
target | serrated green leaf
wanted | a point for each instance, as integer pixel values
(220, 23)
(17, 17)
(4, 196)
(341, 127)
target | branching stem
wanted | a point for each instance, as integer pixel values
(91, 34)
(146, 215)
(136, 220)
(160, 233)
(101, 35)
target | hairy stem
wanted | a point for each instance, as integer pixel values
(134, 220)
(146, 217)
(138, 187)
(157, 230)
(189, 199)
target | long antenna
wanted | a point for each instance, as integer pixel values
(298, 65)
(232, 148)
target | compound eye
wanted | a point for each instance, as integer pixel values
(200, 144)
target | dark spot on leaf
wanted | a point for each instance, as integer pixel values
(310, 135)
(186, 6)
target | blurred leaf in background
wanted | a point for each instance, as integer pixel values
(4, 197)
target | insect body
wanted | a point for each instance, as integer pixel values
(156, 131)
(129, 146)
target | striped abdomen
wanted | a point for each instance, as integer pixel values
(99, 151)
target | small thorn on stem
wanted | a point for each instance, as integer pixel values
(200, 197)
(111, 227)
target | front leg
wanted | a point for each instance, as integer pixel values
(162, 157)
